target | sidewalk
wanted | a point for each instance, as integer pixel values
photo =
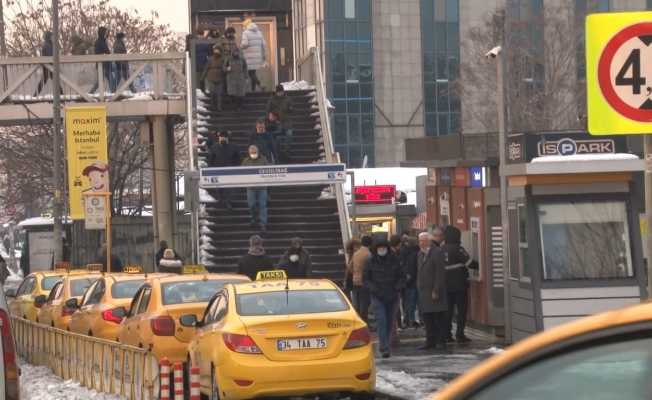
(414, 374)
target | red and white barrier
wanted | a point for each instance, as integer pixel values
(195, 393)
(178, 381)
(165, 379)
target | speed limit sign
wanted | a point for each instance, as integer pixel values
(619, 73)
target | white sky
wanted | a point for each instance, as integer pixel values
(173, 12)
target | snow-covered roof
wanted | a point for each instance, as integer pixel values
(579, 164)
(586, 157)
(40, 221)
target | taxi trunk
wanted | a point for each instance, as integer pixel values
(299, 338)
(184, 333)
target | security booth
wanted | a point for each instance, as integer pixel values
(465, 194)
(574, 236)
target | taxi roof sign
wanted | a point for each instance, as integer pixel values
(133, 269)
(94, 267)
(193, 269)
(618, 80)
(62, 266)
(275, 275)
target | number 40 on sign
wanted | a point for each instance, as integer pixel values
(619, 73)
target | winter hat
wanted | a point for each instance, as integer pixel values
(452, 235)
(381, 242)
(256, 246)
(296, 243)
(395, 241)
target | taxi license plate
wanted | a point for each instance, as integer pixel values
(301, 344)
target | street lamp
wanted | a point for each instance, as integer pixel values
(497, 54)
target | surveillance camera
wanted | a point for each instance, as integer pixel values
(493, 53)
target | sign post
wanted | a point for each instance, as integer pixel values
(97, 216)
(619, 86)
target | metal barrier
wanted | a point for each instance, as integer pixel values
(98, 364)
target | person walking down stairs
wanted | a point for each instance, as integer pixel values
(236, 78)
(257, 196)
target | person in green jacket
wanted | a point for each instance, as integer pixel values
(256, 196)
(215, 76)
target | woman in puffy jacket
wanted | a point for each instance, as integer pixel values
(253, 50)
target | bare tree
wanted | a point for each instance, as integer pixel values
(541, 71)
(26, 151)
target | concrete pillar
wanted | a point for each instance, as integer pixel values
(163, 189)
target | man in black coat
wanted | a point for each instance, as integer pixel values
(255, 260)
(101, 48)
(46, 51)
(384, 278)
(431, 285)
(458, 263)
(224, 154)
(408, 255)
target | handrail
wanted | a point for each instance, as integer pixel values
(329, 149)
(98, 364)
(91, 58)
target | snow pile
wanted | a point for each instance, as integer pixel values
(39, 383)
(492, 350)
(586, 157)
(294, 85)
(204, 197)
(404, 385)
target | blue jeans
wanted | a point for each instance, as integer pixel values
(384, 311)
(257, 201)
(410, 300)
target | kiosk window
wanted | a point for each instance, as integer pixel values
(585, 240)
(475, 247)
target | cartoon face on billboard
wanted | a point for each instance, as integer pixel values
(98, 176)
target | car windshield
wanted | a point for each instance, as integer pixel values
(193, 291)
(611, 371)
(79, 286)
(127, 289)
(291, 302)
(48, 282)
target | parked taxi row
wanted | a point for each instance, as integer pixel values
(272, 337)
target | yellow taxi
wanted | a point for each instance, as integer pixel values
(606, 356)
(282, 338)
(26, 300)
(152, 321)
(105, 303)
(63, 300)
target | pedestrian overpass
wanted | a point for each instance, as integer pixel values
(157, 100)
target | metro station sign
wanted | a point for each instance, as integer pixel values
(377, 194)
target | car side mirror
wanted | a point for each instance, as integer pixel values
(40, 300)
(189, 320)
(120, 312)
(72, 303)
(11, 292)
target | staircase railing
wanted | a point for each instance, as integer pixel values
(317, 75)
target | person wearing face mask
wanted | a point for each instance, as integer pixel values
(431, 286)
(224, 154)
(296, 261)
(236, 78)
(256, 196)
(385, 279)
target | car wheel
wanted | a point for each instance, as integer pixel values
(363, 396)
(215, 390)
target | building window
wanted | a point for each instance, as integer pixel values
(440, 38)
(476, 245)
(582, 9)
(523, 242)
(350, 81)
(585, 240)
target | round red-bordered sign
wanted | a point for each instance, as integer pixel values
(643, 29)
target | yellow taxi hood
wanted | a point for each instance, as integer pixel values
(625, 316)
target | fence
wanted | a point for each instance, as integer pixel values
(94, 78)
(98, 364)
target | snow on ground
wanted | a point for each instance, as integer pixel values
(39, 383)
(403, 385)
(492, 350)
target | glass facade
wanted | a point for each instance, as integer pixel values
(582, 9)
(440, 41)
(350, 78)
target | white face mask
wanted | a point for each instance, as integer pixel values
(253, 155)
(382, 252)
(294, 257)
